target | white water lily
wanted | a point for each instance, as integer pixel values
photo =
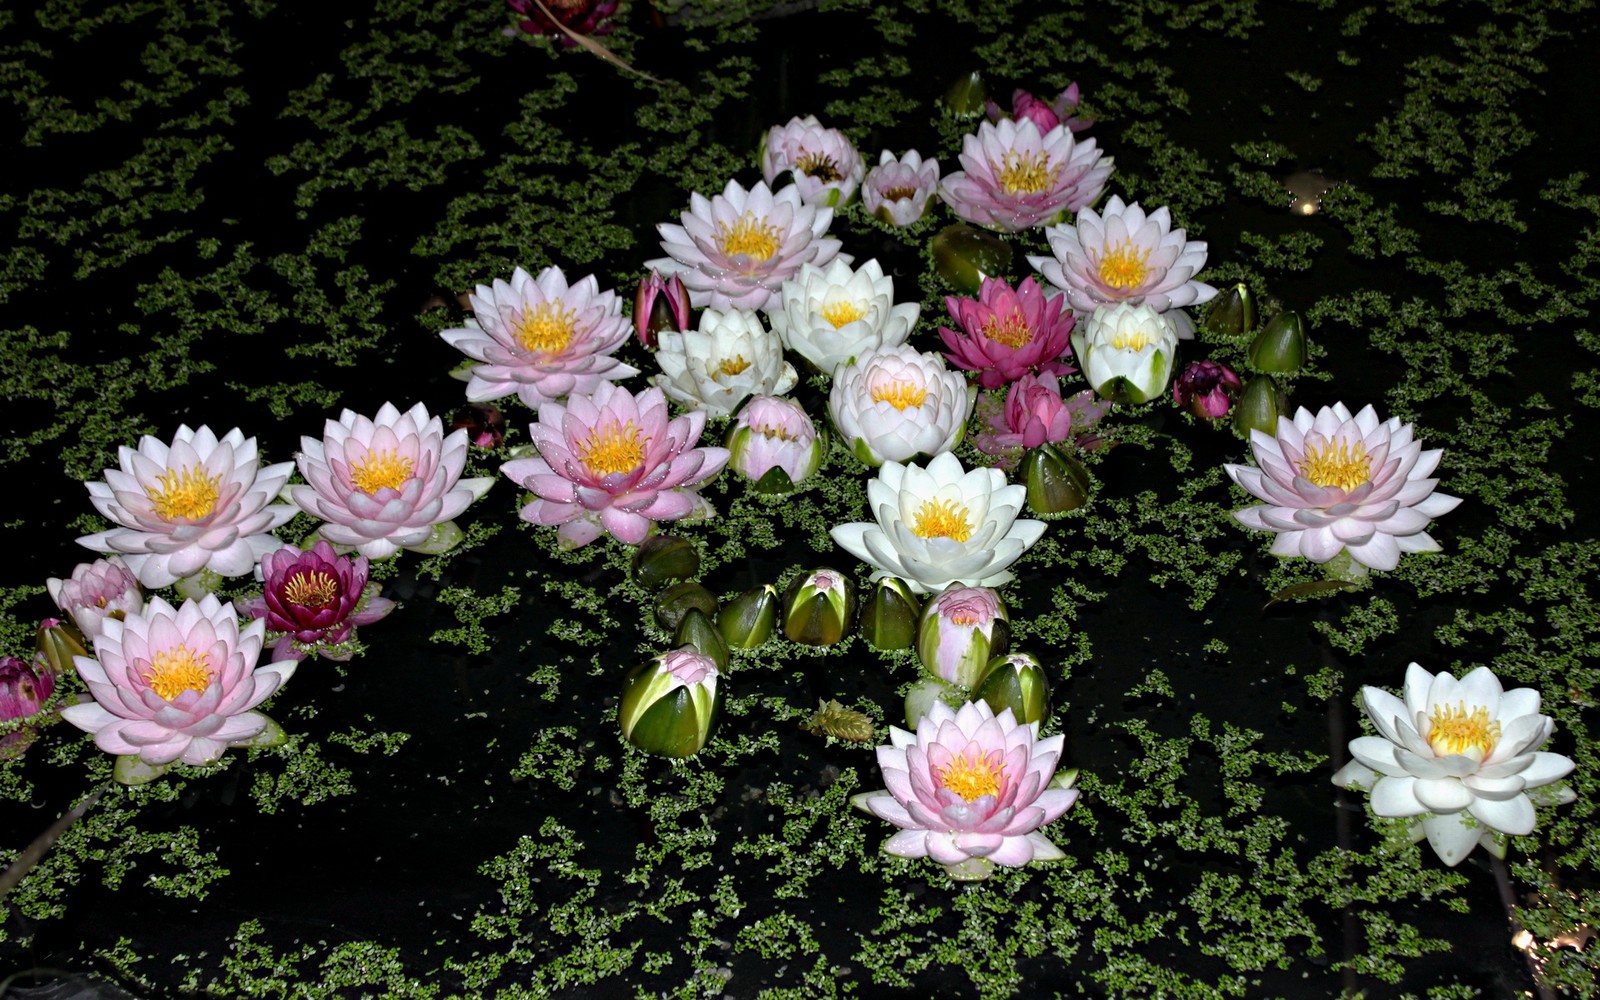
(729, 359)
(832, 315)
(940, 524)
(1126, 352)
(1460, 756)
(897, 403)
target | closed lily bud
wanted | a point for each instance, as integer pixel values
(748, 620)
(1016, 681)
(1280, 347)
(670, 703)
(965, 255)
(484, 423)
(1233, 312)
(699, 632)
(661, 559)
(660, 304)
(775, 444)
(818, 608)
(1056, 481)
(968, 96)
(1259, 407)
(962, 629)
(57, 642)
(889, 616)
(924, 694)
(678, 600)
(23, 689)
(1206, 389)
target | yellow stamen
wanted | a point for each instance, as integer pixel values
(899, 394)
(1025, 173)
(733, 366)
(818, 165)
(187, 493)
(973, 774)
(311, 590)
(612, 449)
(1013, 331)
(546, 328)
(1337, 463)
(943, 519)
(900, 194)
(380, 470)
(1124, 266)
(1135, 338)
(751, 237)
(1456, 730)
(179, 669)
(840, 313)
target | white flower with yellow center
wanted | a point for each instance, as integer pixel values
(729, 359)
(831, 315)
(1459, 756)
(940, 525)
(1126, 352)
(199, 503)
(897, 403)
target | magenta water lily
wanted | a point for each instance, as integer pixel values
(315, 600)
(1006, 334)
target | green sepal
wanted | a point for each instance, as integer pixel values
(698, 630)
(130, 770)
(748, 620)
(1057, 482)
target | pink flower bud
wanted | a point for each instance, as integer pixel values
(1207, 389)
(660, 304)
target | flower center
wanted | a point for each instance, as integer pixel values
(818, 165)
(187, 493)
(613, 448)
(942, 519)
(380, 470)
(178, 669)
(1337, 463)
(751, 237)
(899, 394)
(1456, 730)
(1013, 331)
(1131, 338)
(900, 194)
(311, 590)
(775, 431)
(546, 328)
(1124, 267)
(842, 312)
(973, 774)
(733, 366)
(1025, 173)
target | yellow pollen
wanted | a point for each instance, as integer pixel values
(1025, 173)
(546, 329)
(179, 669)
(751, 237)
(840, 313)
(774, 431)
(1124, 267)
(380, 470)
(818, 165)
(1134, 339)
(1337, 463)
(612, 449)
(942, 519)
(899, 394)
(974, 775)
(900, 194)
(186, 493)
(311, 590)
(1456, 730)
(1013, 331)
(733, 366)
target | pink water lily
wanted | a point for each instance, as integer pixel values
(898, 188)
(1045, 114)
(1017, 177)
(1036, 413)
(613, 463)
(1121, 254)
(105, 588)
(1006, 334)
(823, 162)
(315, 599)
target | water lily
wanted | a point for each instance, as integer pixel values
(1036, 413)
(897, 403)
(825, 166)
(960, 631)
(736, 249)
(484, 423)
(541, 338)
(730, 358)
(1461, 756)
(1336, 483)
(177, 684)
(1207, 389)
(200, 503)
(1126, 352)
(940, 524)
(835, 314)
(583, 17)
(670, 703)
(775, 434)
(613, 463)
(1006, 334)
(659, 304)
(1017, 177)
(23, 692)
(315, 599)
(1045, 114)
(386, 483)
(105, 588)
(898, 188)
(970, 789)
(1123, 255)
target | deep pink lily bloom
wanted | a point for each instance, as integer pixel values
(1045, 114)
(316, 599)
(660, 304)
(1036, 413)
(1207, 389)
(1008, 334)
(583, 17)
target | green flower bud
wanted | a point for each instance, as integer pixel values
(962, 629)
(922, 696)
(670, 703)
(1259, 407)
(1016, 682)
(964, 255)
(1233, 312)
(1057, 481)
(967, 96)
(57, 642)
(747, 621)
(1280, 347)
(889, 618)
(661, 559)
(818, 608)
(699, 632)
(677, 600)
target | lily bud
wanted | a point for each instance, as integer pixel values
(1056, 481)
(748, 620)
(698, 632)
(819, 607)
(962, 629)
(775, 444)
(23, 691)
(674, 603)
(965, 255)
(660, 304)
(1206, 389)
(670, 703)
(1016, 682)
(889, 618)
(924, 694)
(661, 559)
(1280, 347)
(968, 96)
(484, 423)
(1259, 407)
(57, 642)
(1233, 312)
